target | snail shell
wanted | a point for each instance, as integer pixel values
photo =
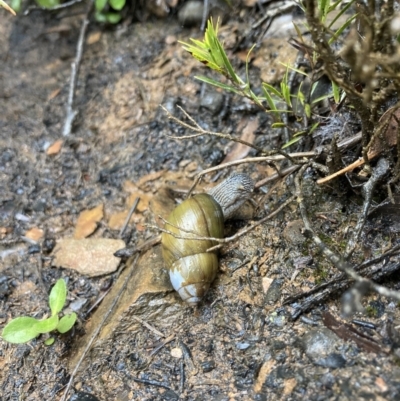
(191, 268)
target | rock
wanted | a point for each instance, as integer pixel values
(89, 256)
(191, 13)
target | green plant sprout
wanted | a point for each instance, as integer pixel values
(108, 10)
(23, 329)
(210, 52)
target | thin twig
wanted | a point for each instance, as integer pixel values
(379, 171)
(249, 160)
(166, 341)
(130, 251)
(131, 211)
(55, 8)
(99, 327)
(39, 269)
(335, 259)
(150, 327)
(248, 229)
(206, 7)
(70, 112)
(194, 236)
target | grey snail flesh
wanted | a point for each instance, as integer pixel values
(191, 268)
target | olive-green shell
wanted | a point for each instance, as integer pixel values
(200, 215)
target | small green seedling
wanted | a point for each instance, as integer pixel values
(108, 11)
(23, 329)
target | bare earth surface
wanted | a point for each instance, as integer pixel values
(241, 343)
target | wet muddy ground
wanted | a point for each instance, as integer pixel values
(241, 343)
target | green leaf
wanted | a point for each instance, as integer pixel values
(342, 28)
(20, 330)
(294, 69)
(286, 93)
(49, 341)
(66, 323)
(57, 297)
(117, 4)
(334, 5)
(341, 12)
(313, 128)
(47, 325)
(336, 92)
(100, 17)
(270, 101)
(99, 5)
(15, 5)
(48, 3)
(113, 18)
(218, 84)
(291, 142)
(307, 110)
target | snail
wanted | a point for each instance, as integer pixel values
(191, 267)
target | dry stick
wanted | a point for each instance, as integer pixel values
(248, 229)
(379, 171)
(220, 240)
(149, 326)
(275, 176)
(250, 160)
(130, 251)
(335, 259)
(55, 8)
(99, 327)
(70, 112)
(200, 131)
(346, 169)
(325, 291)
(206, 7)
(272, 13)
(39, 270)
(165, 342)
(342, 280)
(131, 211)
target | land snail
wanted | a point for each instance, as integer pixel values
(191, 268)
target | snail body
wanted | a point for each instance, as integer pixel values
(191, 268)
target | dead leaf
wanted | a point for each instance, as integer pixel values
(143, 202)
(87, 222)
(266, 283)
(89, 256)
(349, 333)
(55, 148)
(263, 373)
(389, 135)
(150, 177)
(93, 37)
(54, 94)
(289, 385)
(4, 231)
(382, 385)
(239, 151)
(34, 234)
